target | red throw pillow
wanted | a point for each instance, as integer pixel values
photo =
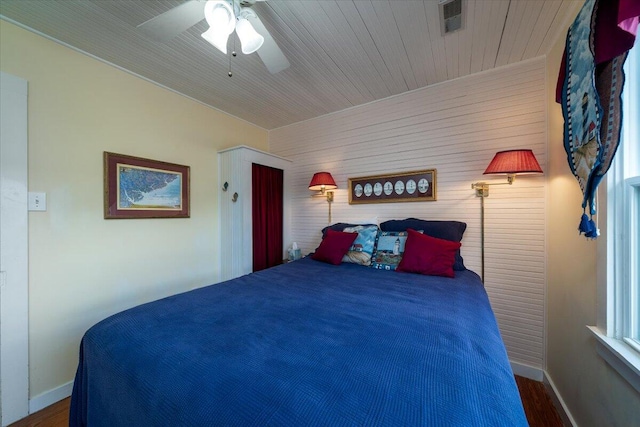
(334, 246)
(428, 255)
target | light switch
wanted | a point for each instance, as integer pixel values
(37, 201)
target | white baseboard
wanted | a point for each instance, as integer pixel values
(527, 371)
(566, 416)
(50, 397)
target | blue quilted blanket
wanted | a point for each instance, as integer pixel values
(302, 344)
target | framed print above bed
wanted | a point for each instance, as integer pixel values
(416, 186)
(135, 187)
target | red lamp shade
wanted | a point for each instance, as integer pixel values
(514, 161)
(322, 181)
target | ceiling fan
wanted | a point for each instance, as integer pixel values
(223, 17)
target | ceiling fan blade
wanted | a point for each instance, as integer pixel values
(167, 25)
(269, 52)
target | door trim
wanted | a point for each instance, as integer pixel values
(14, 251)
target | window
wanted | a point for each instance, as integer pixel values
(624, 199)
(618, 330)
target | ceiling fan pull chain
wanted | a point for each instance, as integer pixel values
(233, 54)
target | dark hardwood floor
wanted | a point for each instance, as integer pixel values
(537, 405)
(56, 415)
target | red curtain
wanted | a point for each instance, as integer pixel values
(267, 209)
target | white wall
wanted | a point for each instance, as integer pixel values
(82, 267)
(455, 127)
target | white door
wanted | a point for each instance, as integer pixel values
(14, 296)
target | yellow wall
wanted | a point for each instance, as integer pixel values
(83, 268)
(594, 393)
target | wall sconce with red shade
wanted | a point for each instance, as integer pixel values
(509, 162)
(323, 181)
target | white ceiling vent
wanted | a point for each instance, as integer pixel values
(450, 16)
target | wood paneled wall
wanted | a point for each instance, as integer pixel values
(455, 127)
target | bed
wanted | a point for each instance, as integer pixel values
(305, 343)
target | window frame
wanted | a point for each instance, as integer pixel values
(618, 247)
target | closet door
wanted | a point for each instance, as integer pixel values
(267, 216)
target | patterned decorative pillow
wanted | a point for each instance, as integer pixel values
(340, 226)
(362, 249)
(389, 249)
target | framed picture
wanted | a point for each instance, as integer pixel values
(142, 188)
(417, 186)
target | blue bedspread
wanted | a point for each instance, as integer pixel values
(302, 344)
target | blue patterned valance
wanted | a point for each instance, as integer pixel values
(589, 88)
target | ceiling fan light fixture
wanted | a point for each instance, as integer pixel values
(250, 39)
(217, 39)
(219, 15)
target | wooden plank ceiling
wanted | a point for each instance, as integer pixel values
(343, 53)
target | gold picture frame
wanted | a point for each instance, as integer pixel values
(414, 186)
